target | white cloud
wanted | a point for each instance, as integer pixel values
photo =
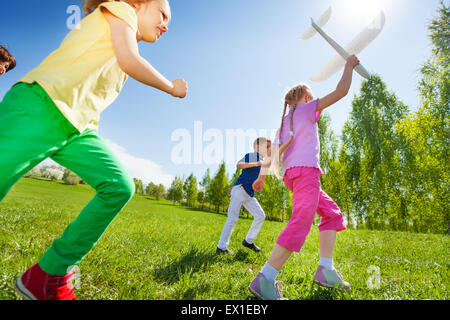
(143, 169)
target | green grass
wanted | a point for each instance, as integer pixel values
(154, 250)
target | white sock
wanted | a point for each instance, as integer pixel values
(327, 263)
(249, 241)
(269, 272)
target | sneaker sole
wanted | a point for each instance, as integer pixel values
(330, 287)
(250, 248)
(255, 293)
(22, 291)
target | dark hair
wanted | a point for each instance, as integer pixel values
(5, 56)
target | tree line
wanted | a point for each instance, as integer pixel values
(390, 168)
(211, 193)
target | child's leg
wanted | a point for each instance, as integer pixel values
(236, 200)
(31, 129)
(327, 239)
(331, 222)
(305, 185)
(305, 199)
(89, 157)
(279, 256)
(252, 205)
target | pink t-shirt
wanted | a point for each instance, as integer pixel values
(305, 148)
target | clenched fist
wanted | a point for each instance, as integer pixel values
(180, 88)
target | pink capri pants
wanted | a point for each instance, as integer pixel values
(308, 198)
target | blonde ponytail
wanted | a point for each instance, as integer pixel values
(291, 99)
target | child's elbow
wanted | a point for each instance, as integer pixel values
(342, 92)
(127, 62)
(125, 66)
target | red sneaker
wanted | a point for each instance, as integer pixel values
(35, 284)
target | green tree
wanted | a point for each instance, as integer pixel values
(373, 150)
(160, 192)
(70, 178)
(235, 176)
(34, 173)
(335, 181)
(275, 199)
(150, 189)
(175, 192)
(201, 197)
(427, 134)
(139, 186)
(329, 143)
(205, 184)
(190, 190)
(218, 189)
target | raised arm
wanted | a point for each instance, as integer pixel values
(246, 165)
(130, 61)
(343, 86)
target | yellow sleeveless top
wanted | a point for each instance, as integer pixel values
(82, 76)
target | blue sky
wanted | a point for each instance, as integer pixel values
(239, 58)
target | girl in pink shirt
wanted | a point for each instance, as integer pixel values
(297, 144)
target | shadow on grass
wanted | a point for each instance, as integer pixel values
(224, 214)
(194, 261)
(243, 216)
(317, 292)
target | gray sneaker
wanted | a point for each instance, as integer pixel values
(330, 279)
(264, 289)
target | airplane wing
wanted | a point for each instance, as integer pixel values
(356, 46)
(321, 22)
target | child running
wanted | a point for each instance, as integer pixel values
(7, 61)
(54, 112)
(242, 194)
(298, 139)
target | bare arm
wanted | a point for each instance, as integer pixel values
(246, 165)
(130, 61)
(343, 86)
(258, 185)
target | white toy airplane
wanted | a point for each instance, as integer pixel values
(354, 47)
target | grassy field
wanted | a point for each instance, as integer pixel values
(155, 250)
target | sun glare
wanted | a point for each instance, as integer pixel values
(361, 9)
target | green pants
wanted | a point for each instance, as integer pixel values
(32, 129)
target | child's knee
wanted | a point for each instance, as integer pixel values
(118, 190)
(232, 219)
(336, 222)
(261, 216)
(126, 188)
